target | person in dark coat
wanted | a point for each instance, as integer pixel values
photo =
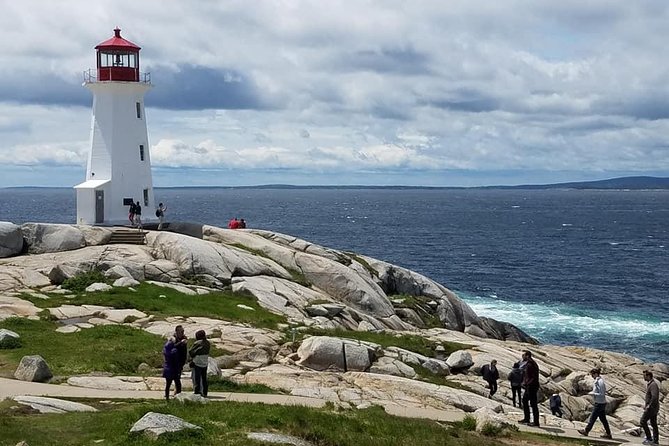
(175, 351)
(531, 386)
(555, 403)
(491, 375)
(199, 356)
(516, 381)
(651, 408)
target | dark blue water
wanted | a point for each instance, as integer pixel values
(569, 267)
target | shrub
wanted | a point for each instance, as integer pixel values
(491, 430)
(10, 342)
(79, 282)
(468, 423)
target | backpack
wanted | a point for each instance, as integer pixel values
(159, 213)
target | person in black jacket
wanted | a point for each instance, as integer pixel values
(516, 381)
(491, 375)
(531, 386)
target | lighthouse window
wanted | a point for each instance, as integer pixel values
(146, 197)
(139, 110)
(141, 152)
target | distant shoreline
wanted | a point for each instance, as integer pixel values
(623, 183)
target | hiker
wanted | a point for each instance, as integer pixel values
(516, 380)
(555, 403)
(138, 215)
(531, 386)
(160, 213)
(233, 224)
(651, 408)
(242, 224)
(131, 213)
(174, 353)
(491, 375)
(199, 354)
(599, 411)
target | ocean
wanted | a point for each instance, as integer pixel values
(570, 267)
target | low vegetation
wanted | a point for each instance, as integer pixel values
(414, 343)
(227, 423)
(79, 282)
(164, 302)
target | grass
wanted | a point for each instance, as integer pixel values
(225, 385)
(78, 283)
(413, 343)
(146, 298)
(227, 423)
(108, 348)
(427, 376)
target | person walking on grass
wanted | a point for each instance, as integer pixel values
(199, 354)
(531, 386)
(491, 375)
(174, 353)
(599, 411)
(651, 408)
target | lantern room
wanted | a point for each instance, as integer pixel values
(118, 59)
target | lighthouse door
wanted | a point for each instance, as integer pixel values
(99, 206)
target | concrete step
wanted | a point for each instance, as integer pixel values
(128, 237)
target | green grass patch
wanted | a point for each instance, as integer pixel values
(225, 385)
(227, 423)
(372, 272)
(413, 343)
(468, 423)
(146, 298)
(427, 376)
(108, 348)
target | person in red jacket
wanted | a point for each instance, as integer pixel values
(233, 224)
(531, 386)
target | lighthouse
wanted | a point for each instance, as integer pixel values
(118, 171)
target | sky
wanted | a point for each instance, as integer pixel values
(339, 92)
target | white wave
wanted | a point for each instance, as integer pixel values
(549, 321)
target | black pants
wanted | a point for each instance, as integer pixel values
(200, 383)
(515, 390)
(530, 400)
(492, 385)
(652, 417)
(168, 384)
(556, 411)
(599, 412)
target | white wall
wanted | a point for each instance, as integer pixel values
(116, 134)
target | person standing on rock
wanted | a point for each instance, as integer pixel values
(491, 375)
(199, 355)
(651, 408)
(174, 353)
(531, 386)
(160, 213)
(599, 411)
(138, 215)
(555, 403)
(516, 381)
(131, 213)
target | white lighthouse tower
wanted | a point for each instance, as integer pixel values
(119, 165)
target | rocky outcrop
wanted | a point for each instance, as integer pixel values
(53, 405)
(42, 238)
(11, 239)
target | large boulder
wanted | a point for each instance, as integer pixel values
(155, 424)
(334, 354)
(11, 239)
(42, 237)
(459, 360)
(53, 405)
(33, 368)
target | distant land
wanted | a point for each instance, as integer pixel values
(621, 183)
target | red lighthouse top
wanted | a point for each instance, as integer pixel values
(118, 59)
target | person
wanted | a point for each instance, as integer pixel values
(516, 380)
(531, 386)
(138, 215)
(131, 213)
(242, 224)
(233, 224)
(555, 403)
(599, 411)
(160, 213)
(491, 375)
(651, 408)
(174, 353)
(199, 354)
